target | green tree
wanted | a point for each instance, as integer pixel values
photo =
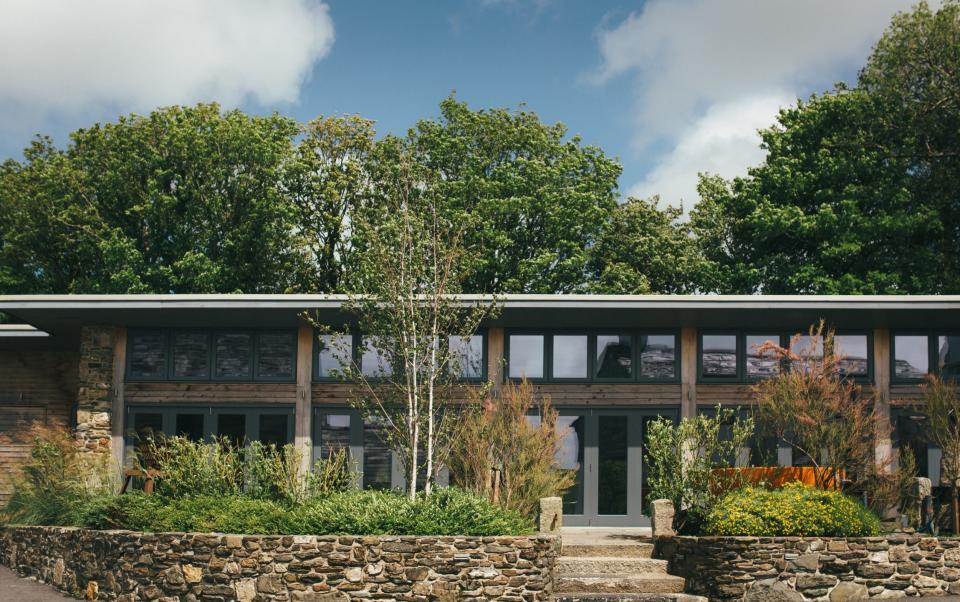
(644, 249)
(858, 193)
(186, 199)
(329, 181)
(533, 200)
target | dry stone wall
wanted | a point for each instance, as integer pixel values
(126, 566)
(795, 569)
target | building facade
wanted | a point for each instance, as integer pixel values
(250, 367)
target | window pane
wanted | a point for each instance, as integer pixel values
(911, 356)
(147, 426)
(148, 355)
(569, 457)
(234, 355)
(658, 354)
(853, 352)
(273, 430)
(467, 353)
(719, 355)
(191, 355)
(334, 355)
(377, 458)
(614, 356)
(374, 362)
(948, 356)
(232, 427)
(570, 356)
(810, 347)
(275, 355)
(334, 434)
(190, 426)
(612, 465)
(761, 365)
(526, 356)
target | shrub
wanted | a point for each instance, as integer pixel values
(194, 468)
(795, 510)
(445, 512)
(499, 453)
(57, 479)
(689, 479)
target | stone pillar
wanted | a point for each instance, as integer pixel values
(551, 514)
(95, 391)
(662, 513)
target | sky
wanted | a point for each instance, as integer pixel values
(669, 87)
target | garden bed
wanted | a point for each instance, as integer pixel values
(814, 568)
(130, 565)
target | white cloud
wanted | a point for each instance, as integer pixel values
(698, 63)
(722, 141)
(69, 57)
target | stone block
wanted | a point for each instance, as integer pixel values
(662, 514)
(551, 514)
(848, 591)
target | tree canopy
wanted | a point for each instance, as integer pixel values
(859, 193)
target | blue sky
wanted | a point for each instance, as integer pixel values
(670, 87)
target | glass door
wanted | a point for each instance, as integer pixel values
(606, 448)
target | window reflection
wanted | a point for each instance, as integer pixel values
(374, 363)
(658, 355)
(807, 346)
(761, 364)
(526, 356)
(719, 355)
(334, 355)
(852, 349)
(467, 356)
(614, 356)
(570, 356)
(948, 356)
(911, 356)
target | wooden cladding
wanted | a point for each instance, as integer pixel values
(35, 388)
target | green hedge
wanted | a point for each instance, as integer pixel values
(446, 512)
(795, 510)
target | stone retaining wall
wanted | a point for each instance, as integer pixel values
(794, 569)
(128, 566)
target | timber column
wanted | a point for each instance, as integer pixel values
(95, 392)
(301, 419)
(881, 383)
(495, 346)
(688, 372)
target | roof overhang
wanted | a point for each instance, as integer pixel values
(62, 315)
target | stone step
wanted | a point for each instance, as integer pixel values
(629, 550)
(610, 565)
(572, 597)
(618, 584)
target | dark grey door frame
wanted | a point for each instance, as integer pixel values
(591, 457)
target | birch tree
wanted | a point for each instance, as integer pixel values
(415, 326)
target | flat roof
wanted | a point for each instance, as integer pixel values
(62, 315)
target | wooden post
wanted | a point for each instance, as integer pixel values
(301, 419)
(495, 346)
(118, 407)
(688, 372)
(881, 383)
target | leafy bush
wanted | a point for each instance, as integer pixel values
(499, 453)
(689, 479)
(445, 512)
(57, 480)
(795, 510)
(195, 468)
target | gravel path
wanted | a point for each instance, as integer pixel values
(21, 589)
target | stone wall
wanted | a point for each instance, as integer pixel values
(128, 566)
(95, 391)
(814, 568)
